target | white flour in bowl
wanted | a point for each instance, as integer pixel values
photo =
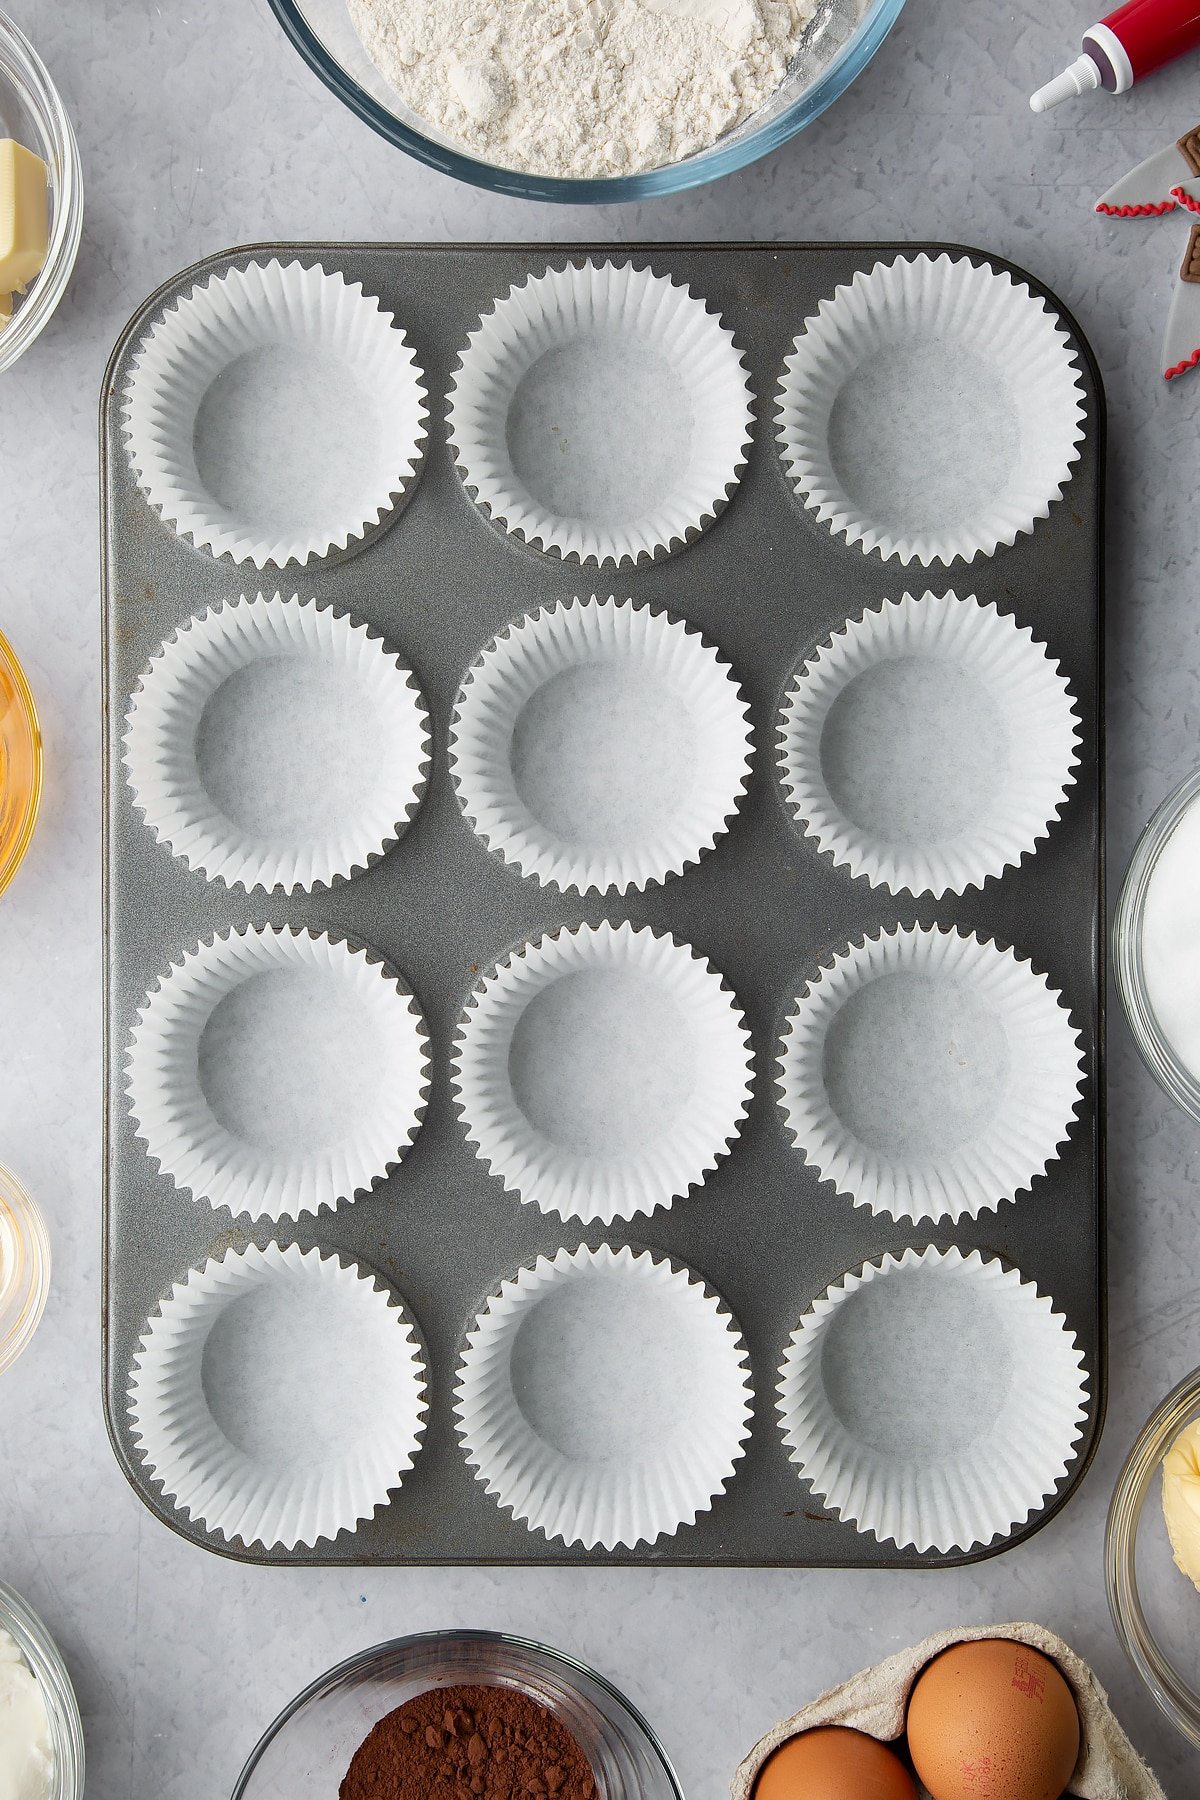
(582, 87)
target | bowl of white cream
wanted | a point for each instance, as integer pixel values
(1156, 944)
(41, 1736)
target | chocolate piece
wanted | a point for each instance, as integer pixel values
(1190, 270)
(1189, 148)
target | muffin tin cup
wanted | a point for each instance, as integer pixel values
(598, 303)
(555, 1436)
(934, 1399)
(667, 699)
(533, 1093)
(965, 327)
(282, 310)
(320, 1423)
(989, 673)
(258, 1176)
(939, 1003)
(233, 639)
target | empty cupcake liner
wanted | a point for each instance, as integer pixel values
(1026, 750)
(278, 1397)
(656, 317)
(602, 1072)
(160, 748)
(254, 1171)
(997, 397)
(940, 1094)
(604, 1397)
(933, 1399)
(657, 710)
(270, 309)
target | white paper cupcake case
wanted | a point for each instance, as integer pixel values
(555, 309)
(986, 1481)
(695, 684)
(573, 1182)
(1032, 1114)
(225, 318)
(1033, 704)
(180, 680)
(978, 309)
(338, 1473)
(189, 1143)
(608, 1498)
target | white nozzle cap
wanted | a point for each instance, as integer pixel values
(1081, 78)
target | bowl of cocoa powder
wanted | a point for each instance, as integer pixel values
(459, 1715)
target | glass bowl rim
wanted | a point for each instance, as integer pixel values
(21, 64)
(1175, 1080)
(45, 1659)
(722, 158)
(501, 1639)
(1169, 1690)
(10, 665)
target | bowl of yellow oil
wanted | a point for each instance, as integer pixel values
(20, 764)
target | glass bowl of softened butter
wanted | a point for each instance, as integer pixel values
(41, 1746)
(33, 118)
(662, 94)
(1152, 1556)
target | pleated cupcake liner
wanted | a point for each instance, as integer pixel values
(549, 311)
(941, 299)
(601, 1498)
(577, 1183)
(338, 1473)
(183, 1135)
(965, 1493)
(179, 681)
(270, 305)
(1032, 699)
(696, 685)
(1032, 1114)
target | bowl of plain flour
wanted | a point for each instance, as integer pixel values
(587, 100)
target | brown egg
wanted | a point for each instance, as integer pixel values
(832, 1762)
(993, 1720)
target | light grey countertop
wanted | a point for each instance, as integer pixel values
(200, 128)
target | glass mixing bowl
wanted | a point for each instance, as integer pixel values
(62, 1709)
(31, 112)
(1155, 1608)
(24, 1267)
(307, 1751)
(839, 43)
(1172, 1075)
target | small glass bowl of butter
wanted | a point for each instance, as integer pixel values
(41, 1747)
(1155, 1604)
(33, 125)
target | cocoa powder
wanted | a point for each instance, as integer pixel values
(469, 1743)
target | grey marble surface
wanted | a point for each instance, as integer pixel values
(200, 128)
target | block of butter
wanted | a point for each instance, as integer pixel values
(24, 216)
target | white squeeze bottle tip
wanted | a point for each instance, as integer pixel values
(1081, 78)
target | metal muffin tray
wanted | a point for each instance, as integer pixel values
(766, 583)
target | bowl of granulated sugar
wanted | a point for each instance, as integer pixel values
(587, 100)
(475, 1714)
